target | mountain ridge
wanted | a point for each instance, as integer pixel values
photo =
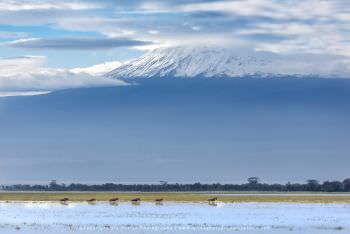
(216, 62)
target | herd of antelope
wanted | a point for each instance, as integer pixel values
(135, 201)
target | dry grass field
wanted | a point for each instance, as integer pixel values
(173, 197)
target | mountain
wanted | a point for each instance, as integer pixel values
(209, 61)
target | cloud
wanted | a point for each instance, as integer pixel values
(98, 69)
(7, 34)
(320, 65)
(29, 73)
(23, 93)
(24, 5)
(20, 65)
(290, 26)
(75, 43)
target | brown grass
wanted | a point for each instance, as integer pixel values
(176, 197)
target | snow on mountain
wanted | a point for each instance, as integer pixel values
(207, 61)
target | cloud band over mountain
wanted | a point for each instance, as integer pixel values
(76, 43)
(30, 73)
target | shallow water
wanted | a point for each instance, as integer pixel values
(251, 218)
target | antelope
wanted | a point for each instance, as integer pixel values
(159, 201)
(212, 201)
(64, 199)
(136, 200)
(114, 199)
(91, 201)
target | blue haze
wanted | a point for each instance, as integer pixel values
(180, 130)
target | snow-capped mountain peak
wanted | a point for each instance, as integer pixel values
(208, 61)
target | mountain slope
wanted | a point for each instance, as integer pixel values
(206, 61)
(176, 128)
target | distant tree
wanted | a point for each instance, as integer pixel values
(332, 186)
(253, 180)
(253, 184)
(197, 186)
(54, 186)
(313, 185)
(346, 185)
(53, 182)
(289, 186)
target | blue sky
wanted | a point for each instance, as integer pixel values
(57, 36)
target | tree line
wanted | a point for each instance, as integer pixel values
(253, 184)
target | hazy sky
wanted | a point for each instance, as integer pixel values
(58, 39)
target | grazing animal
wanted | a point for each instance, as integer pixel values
(92, 200)
(64, 201)
(159, 201)
(212, 200)
(114, 199)
(136, 200)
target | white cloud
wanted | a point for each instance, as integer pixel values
(153, 31)
(290, 26)
(8, 34)
(20, 65)
(13, 5)
(74, 43)
(311, 26)
(98, 69)
(309, 9)
(30, 74)
(23, 93)
(196, 28)
(310, 64)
